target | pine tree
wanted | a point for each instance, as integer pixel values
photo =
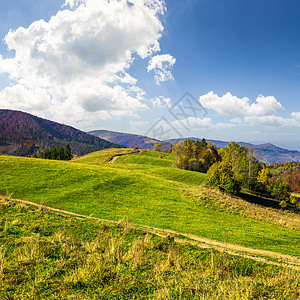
(68, 152)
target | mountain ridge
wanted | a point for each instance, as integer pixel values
(24, 133)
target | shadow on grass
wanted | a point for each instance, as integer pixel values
(266, 202)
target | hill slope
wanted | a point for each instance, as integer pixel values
(145, 188)
(23, 133)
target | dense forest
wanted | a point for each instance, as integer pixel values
(288, 172)
(57, 153)
(24, 134)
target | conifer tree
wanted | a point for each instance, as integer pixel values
(68, 152)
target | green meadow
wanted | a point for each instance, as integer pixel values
(146, 189)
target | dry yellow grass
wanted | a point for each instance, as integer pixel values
(214, 198)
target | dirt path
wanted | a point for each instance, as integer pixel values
(255, 254)
(115, 157)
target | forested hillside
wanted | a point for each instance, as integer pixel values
(127, 139)
(23, 134)
(288, 172)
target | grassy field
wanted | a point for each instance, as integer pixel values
(44, 255)
(147, 190)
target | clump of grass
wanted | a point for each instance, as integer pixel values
(126, 225)
(29, 250)
(136, 255)
(2, 262)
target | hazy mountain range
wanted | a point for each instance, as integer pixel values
(268, 153)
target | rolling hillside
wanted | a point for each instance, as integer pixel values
(144, 188)
(122, 223)
(23, 133)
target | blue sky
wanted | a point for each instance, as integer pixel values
(239, 59)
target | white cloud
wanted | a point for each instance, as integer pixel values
(161, 65)
(200, 123)
(267, 121)
(79, 60)
(161, 102)
(225, 125)
(262, 112)
(138, 123)
(236, 121)
(18, 96)
(274, 121)
(296, 116)
(229, 105)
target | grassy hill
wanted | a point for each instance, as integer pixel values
(46, 255)
(146, 190)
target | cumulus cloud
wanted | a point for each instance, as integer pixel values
(79, 60)
(292, 121)
(262, 112)
(161, 65)
(267, 121)
(18, 96)
(229, 105)
(161, 102)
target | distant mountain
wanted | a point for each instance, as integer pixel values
(267, 153)
(23, 133)
(126, 139)
(271, 147)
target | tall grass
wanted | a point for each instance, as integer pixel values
(46, 256)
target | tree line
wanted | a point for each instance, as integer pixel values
(232, 168)
(56, 153)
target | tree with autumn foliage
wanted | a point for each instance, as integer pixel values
(243, 164)
(265, 181)
(288, 172)
(195, 155)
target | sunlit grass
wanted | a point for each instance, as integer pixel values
(152, 194)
